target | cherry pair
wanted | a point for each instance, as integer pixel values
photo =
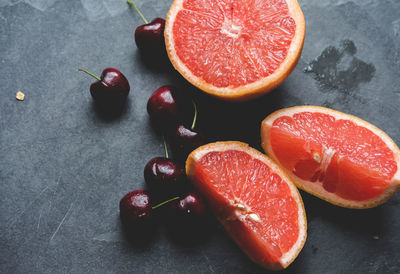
(164, 178)
(166, 107)
(136, 208)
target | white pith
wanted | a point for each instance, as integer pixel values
(317, 188)
(244, 212)
(230, 29)
(327, 154)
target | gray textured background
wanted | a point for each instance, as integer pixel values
(63, 168)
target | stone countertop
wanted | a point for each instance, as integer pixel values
(64, 167)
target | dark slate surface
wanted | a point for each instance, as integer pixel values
(63, 168)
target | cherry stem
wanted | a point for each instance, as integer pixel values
(91, 74)
(165, 202)
(138, 11)
(195, 115)
(165, 147)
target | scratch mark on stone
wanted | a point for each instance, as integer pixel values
(208, 262)
(58, 181)
(61, 223)
(55, 189)
(112, 237)
(40, 216)
(12, 222)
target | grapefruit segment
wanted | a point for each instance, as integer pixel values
(333, 155)
(234, 49)
(253, 199)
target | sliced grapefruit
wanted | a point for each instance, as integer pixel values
(235, 49)
(255, 201)
(335, 156)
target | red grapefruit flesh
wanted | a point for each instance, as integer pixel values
(253, 199)
(333, 155)
(235, 49)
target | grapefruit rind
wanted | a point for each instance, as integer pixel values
(317, 189)
(249, 91)
(288, 257)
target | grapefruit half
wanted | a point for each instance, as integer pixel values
(254, 200)
(235, 49)
(335, 156)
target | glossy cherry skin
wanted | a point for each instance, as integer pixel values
(135, 208)
(189, 208)
(164, 175)
(163, 106)
(112, 89)
(185, 140)
(150, 37)
(188, 221)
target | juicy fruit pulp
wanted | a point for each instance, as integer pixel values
(346, 158)
(232, 43)
(245, 182)
(253, 202)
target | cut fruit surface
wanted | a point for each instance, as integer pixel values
(335, 156)
(234, 49)
(255, 201)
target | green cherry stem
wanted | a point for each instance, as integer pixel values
(91, 74)
(165, 202)
(195, 115)
(138, 11)
(165, 147)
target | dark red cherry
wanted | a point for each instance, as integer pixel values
(187, 221)
(150, 37)
(110, 89)
(185, 140)
(164, 175)
(163, 106)
(135, 208)
(189, 207)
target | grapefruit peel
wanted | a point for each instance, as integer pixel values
(251, 90)
(317, 189)
(288, 257)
